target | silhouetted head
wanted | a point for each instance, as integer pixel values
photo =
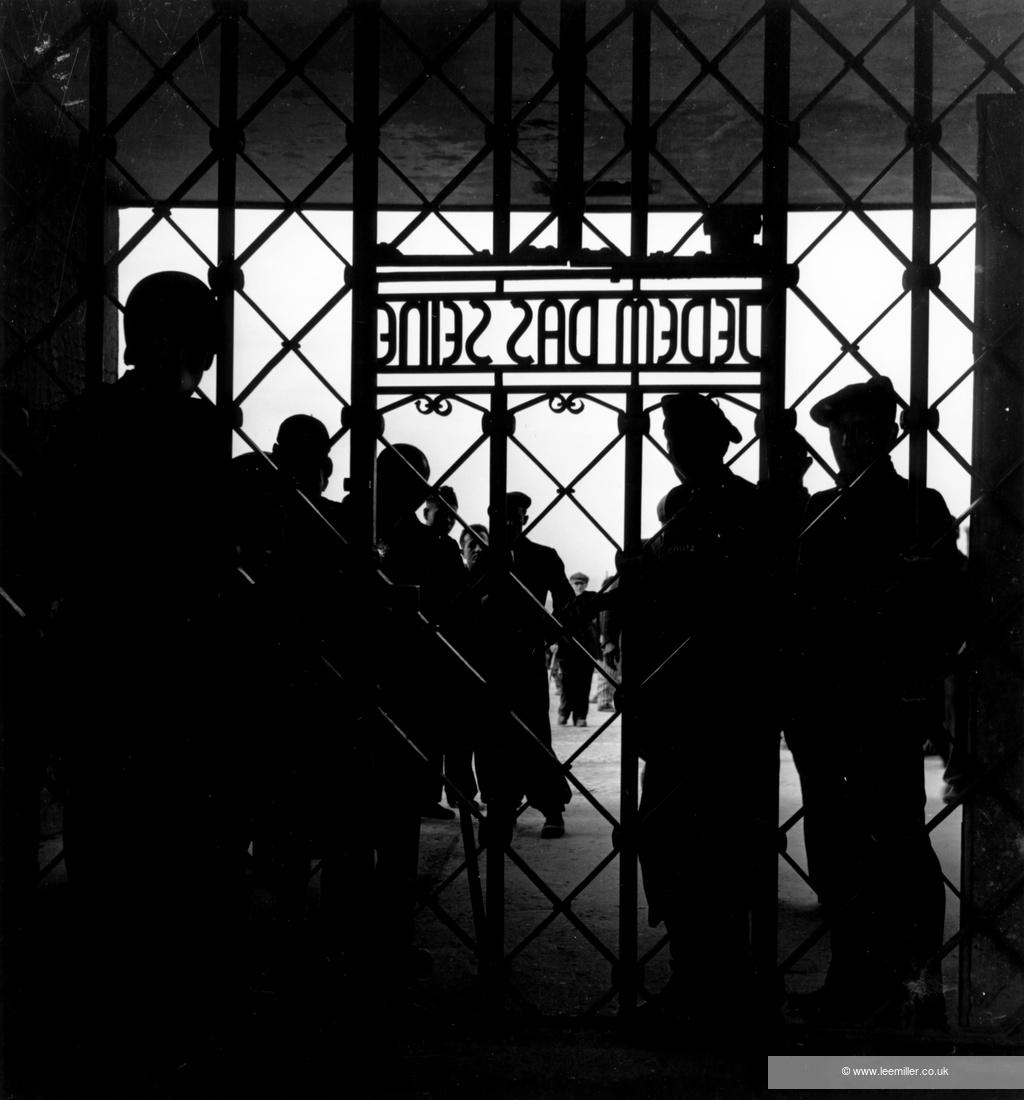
(789, 456)
(302, 451)
(697, 433)
(170, 331)
(435, 515)
(517, 512)
(671, 502)
(579, 581)
(861, 422)
(472, 542)
(402, 474)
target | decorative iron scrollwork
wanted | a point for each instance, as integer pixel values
(571, 402)
(439, 404)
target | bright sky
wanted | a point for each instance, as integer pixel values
(849, 276)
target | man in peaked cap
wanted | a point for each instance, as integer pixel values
(875, 397)
(698, 433)
(576, 671)
(691, 622)
(515, 763)
(861, 421)
(875, 628)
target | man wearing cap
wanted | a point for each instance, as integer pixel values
(875, 628)
(426, 574)
(518, 763)
(691, 625)
(289, 617)
(576, 671)
(453, 752)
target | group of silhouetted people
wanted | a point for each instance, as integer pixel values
(240, 681)
(833, 618)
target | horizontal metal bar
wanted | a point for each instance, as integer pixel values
(680, 369)
(628, 296)
(533, 267)
(542, 207)
(660, 388)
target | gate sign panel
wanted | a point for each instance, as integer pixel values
(521, 330)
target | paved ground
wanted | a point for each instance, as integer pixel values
(558, 967)
(561, 1039)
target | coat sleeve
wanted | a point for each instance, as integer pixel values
(562, 594)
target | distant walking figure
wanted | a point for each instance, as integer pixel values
(577, 672)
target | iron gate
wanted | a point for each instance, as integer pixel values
(585, 135)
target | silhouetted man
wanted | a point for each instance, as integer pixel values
(472, 542)
(513, 761)
(695, 634)
(137, 555)
(456, 755)
(426, 574)
(436, 516)
(291, 617)
(577, 672)
(876, 585)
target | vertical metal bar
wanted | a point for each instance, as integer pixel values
(501, 186)
(775, 182)
(630, 675)
(228, 278)
(777, 51)
(365, 138)
(571, 63)
(920, 294)
(100, 13)
(493, 955)
(639, 129)
(627, 979)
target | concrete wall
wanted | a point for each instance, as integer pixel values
(994, 817)
(44, 224)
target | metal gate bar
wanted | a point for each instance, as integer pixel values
(775, 245)
(96, 274)
(921, 274)
(228, 278)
